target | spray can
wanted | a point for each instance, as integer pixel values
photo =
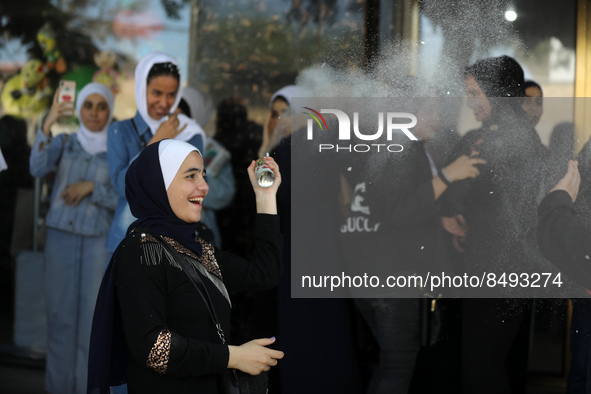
(264, 175)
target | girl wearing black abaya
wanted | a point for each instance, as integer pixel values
(147, 300)
(499, 208)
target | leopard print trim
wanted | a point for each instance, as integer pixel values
(160, 353)
(207, 258)
(179, 247)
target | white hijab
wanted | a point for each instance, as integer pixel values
(141, 82)
(172, 154)
(287, 93)
(200, 105)
(94, 141)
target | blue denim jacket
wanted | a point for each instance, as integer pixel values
(93, 214)
(125, 141)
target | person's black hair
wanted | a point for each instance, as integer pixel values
(529, 83)
(184, 107)
(160, 69)
(498, 77)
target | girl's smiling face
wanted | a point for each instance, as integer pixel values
(161, 93)
(477, 100)
(188, 189)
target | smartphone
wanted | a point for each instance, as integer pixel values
(67, 93)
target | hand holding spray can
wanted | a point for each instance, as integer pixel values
(264, 175)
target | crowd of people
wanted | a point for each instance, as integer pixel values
(158, 233)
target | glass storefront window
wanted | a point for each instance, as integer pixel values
(247, 49)
(250, 49)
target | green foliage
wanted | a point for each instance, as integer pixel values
(253, 56)
(22, 20)
(174, 7)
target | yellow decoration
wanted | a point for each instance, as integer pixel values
(106, 74)
(26, 94)
(47, 40)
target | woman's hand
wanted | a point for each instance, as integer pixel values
(458, 243)
(265, 196)
(464, 167)
(458, 228)
(571, 181)
(168, 129)
(253, 357)
(455, 225)
(76, 192)
(57, 111)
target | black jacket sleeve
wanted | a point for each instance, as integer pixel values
(451, 200)
(563, 238)
(412, 198)
(262, 270)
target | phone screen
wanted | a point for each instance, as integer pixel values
(67, 93)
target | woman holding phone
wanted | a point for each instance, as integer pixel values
(79, 218)
(157, 96)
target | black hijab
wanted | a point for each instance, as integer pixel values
(499, 77)
(146, 193)
(502, 81)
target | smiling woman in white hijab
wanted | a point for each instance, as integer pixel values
(79, 218)
(157, 95)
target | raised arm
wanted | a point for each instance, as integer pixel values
(562, 237)
(263, 268)
(46, 150)
(45, 154)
